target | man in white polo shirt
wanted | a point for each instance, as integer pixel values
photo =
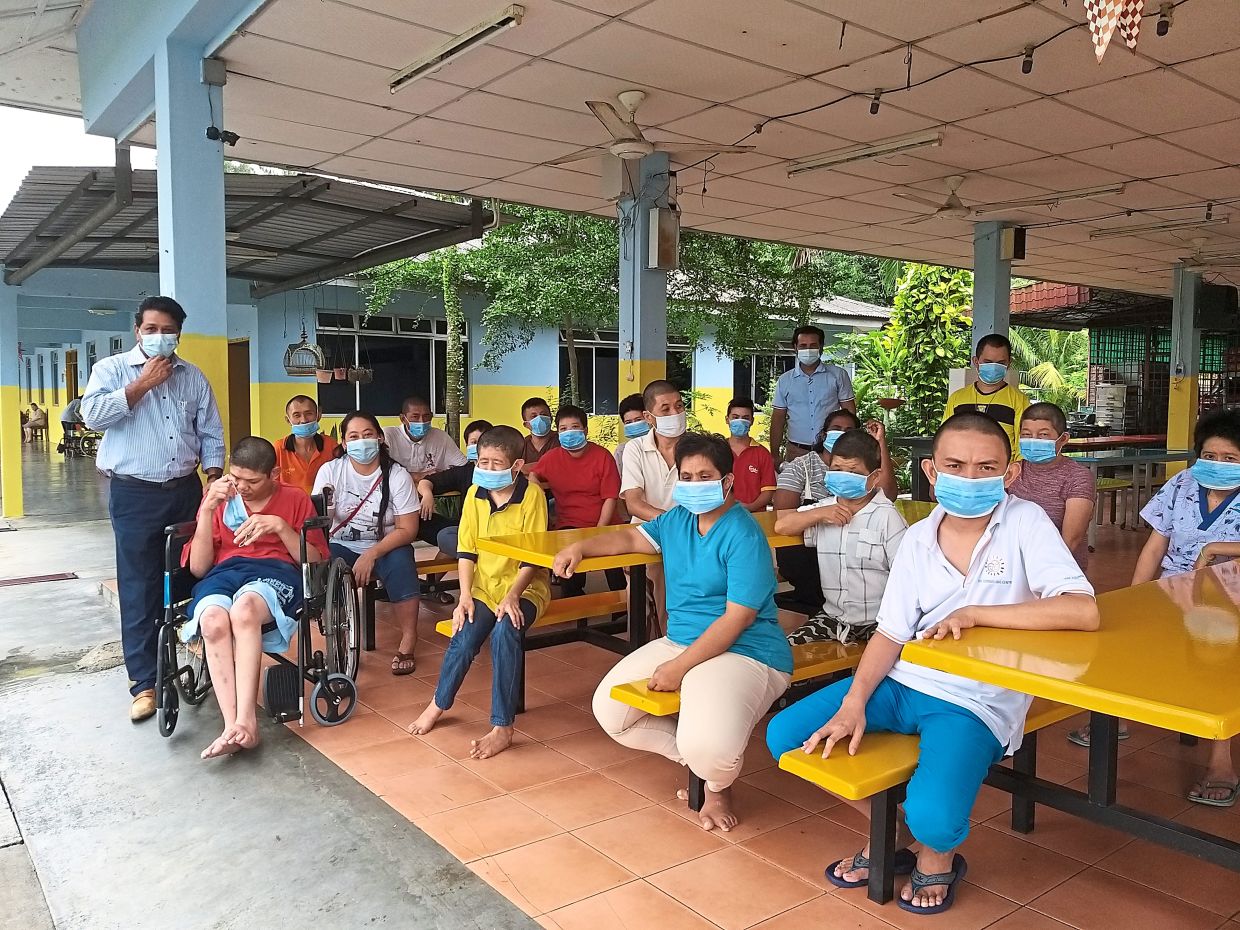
(981, 558)
(423, 449)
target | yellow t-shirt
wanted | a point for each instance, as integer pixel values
(1005, 406)
(526, 512)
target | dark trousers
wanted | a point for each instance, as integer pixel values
(139, 514)
(799, 567)
(572, 587)
(429, 530)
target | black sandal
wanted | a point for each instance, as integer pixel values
(905, 863)
(921, 880)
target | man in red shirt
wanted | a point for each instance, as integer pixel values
(583, 478)
(247, 551)
(754, 468)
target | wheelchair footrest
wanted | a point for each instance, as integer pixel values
(282, 691)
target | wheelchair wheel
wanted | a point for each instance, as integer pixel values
(167, 701)
(89, 445)
(193, 678)
(341, 622)
(333, 700)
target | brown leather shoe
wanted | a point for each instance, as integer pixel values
(143, 706)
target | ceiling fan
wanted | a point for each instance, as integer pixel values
(956, 209)
(1208, 261)
(627, 141)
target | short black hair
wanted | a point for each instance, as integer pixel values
(1223, 423)
(296, 397)
(632, 404)
(656, 389)
(809, 331)
(254, 453)
(476, 425)
(1051, 413)
(993, 341)
(162, 305)
(744, 403)
(842, 412)
(415, 400)
(534, 402)
(858, 444)
(971, 422)
(710, 445)
(505, 439)
(572, 410)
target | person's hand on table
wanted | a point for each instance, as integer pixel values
(847, 724)
(952, 625)
(667, 677)
(463, 614)
(567, 560)
(259, 525)
(364, 568)
(1207, 555)
(510, 607)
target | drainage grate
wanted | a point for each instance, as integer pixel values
(35, 579)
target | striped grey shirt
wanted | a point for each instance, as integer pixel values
(174, 427)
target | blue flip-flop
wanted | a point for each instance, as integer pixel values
(921, 880)
(905, 863)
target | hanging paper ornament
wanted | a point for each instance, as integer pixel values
(1105, 16)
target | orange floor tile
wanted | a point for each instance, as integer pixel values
(583, 834)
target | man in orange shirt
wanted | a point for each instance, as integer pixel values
(300, 454)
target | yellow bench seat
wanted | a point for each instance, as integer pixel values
(812, 660)
(887, 759)
(438, 565)
(568, 609)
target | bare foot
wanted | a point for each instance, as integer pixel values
(426, 722)
(221, 747)
(1214, 786)
(717, 811)
(845, 870)
(930, 863)
(243, 734)
(495, 742)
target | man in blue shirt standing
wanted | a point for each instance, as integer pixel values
(160, 422)
(806, 394)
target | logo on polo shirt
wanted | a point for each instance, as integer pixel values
(994, 567)
(753, 469)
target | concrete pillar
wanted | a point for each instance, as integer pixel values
(10, 406)
(1185, 360)
(713, 376)
(531, 371)
(643, 292)
(191, 209)
(992, 282)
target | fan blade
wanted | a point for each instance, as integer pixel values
(924, 201)
(1015, 205)
(578, 156)
(921, 219)
(684, 152)
(621, 129)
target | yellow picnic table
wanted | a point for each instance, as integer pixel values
(1167, 654)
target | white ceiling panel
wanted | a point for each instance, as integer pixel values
(972, 151)
(1049, 126)
(801, 222)
(1137, 157)
(423, 156)
(541, 197)
(1058, 174)
(889, 69)
(254, 127)
(851, 119)
(480, 141)
(751, 230)
(1204, 27)
(694, 204)
(1219, 141)
(532, 119)
(910, 21)
(279, 101)
(273, 153)
(370, 170)
(827, 182)
(1207, 185)
(959, 94)
(892, 235)
(1153, 102)
(1219, 72)
(843, 208)
(766, 195)
(558, 179)
(896, 169)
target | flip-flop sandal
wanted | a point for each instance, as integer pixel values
(399, 660)
(906, 861)
(1081, 737)
(1233, 787)
(921, 880)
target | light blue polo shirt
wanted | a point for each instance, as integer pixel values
(732, 562)
(810, 399)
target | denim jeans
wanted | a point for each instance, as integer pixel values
(507, 661)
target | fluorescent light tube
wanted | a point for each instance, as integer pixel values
(1157, 227)
(1050, 200)
(479, 35)
(863, 152)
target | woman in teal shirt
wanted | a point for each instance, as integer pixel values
(724, 650)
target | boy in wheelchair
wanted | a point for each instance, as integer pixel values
(246, 549)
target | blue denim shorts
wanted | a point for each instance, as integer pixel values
(396, 570)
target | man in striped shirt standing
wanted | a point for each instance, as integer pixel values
(160, 422)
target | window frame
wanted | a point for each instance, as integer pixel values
(610, 339)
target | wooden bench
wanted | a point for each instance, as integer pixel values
(880, 771)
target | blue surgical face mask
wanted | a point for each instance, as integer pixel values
(636, 430)
(699, 496)
(809, 356)
(969, 497)
(162, 344)
(417, 430)
(540, 425)
(306, 430)
(572, 439)
(847, 484)
(235, 513)
(1217, 476)
(1038, 450)
(828, 440)
(362, 451)
(492, 480)
(471, 452)
(991, 372)
(739, 427)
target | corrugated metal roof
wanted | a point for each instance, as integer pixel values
(279, 226)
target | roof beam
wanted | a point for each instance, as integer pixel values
(417, 245)
(119, 237)
(58, 211)
(344, 209)
(300, 190)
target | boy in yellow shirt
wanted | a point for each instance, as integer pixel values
(990, 393)
(497, 593)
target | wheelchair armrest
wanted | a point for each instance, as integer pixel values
(317, 523)
(184, 530)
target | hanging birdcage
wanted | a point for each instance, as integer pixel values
(303, 359)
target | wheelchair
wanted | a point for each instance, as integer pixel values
(329, 604)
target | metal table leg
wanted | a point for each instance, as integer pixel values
(637, 606)
(1103, 758)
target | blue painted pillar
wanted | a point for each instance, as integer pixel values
(713, 376)
(10, 406)
(992, 281)
(643, 292)
(1184, 399)
(191, 209)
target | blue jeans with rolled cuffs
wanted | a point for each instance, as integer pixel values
(957, 750)
(507, 660)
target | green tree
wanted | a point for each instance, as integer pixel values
(1055, 363)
